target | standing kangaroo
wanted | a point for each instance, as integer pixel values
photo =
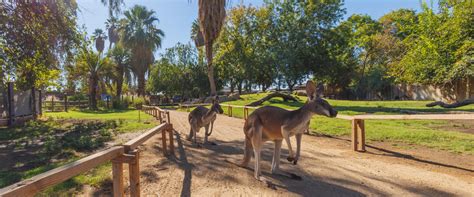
(203, 117)
(275, 124)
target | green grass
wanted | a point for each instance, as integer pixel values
(129, 119)
(432, 133)
(46, 157)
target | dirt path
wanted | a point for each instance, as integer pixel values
(327, 166)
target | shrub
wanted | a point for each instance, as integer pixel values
(121, 104)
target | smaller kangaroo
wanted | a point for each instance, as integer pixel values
(203, 117)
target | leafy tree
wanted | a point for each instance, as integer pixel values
(439, 51)
(179, 71)
(36, 37)
(141, 35)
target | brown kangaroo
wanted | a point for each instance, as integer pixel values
(203, 117)
(275, 124)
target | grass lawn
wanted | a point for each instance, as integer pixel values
(440, 134)
(128, 119)
(60, 138)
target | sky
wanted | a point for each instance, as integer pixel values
(176, 16)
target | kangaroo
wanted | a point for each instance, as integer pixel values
(275, 124)
(203, 117)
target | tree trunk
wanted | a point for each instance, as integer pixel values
(119, 82)
(452, 105)
(468, 87)
(93, 81)
(210, 69)
(240, 87)
(232, 87)
(361, 91)
(141, 85)
(285, 97)
(290, 85)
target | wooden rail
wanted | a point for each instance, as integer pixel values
(246, 109)
(358, 124)
(189, 106)
(358, 121)
(127, 153)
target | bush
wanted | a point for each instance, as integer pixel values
(138, 102)
(78, 97)
(121, 104)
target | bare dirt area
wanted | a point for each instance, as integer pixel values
(328, 168)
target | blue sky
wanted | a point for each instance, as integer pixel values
(176, 16)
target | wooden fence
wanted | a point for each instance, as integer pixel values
(127, 153)
(358, 122)
(62, 105)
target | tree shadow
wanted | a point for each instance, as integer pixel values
(183, 163)
(410, 157)
(391, 153)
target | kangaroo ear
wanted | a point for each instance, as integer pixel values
(310, 90)
(320, 90)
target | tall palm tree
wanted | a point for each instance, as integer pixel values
(121, 58)
(141, 35)
(111, 25)
(211, 19)
(114, 6)
(99, 37)
(90, 64)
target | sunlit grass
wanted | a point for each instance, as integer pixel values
(440, 134)
(130, 120)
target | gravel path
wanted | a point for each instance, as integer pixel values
(327, 166)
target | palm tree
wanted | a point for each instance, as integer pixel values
(142, 37)
(121, 58)
(196, 34)
(99, 37)
(114, 6)
(91, 65)
(111, 26)
(211, 19)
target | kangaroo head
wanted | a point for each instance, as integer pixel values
(216, 107)
(316, 104)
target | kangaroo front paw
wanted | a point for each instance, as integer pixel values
(295, 161)
(290, 159)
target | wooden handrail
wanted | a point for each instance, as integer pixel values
(127, 153)
(417, 117)
(31, 186)
(134, 143)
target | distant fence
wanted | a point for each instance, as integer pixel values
(126, 153)
(53, 104)
(18, 106)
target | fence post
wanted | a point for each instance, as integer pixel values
(134, 169)
(163, 140)
(170, 130)
(354, 134)
(159, 117)
(11, 104)
(361, 136)
(117, 173)
(168, 117)
(65, 102)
